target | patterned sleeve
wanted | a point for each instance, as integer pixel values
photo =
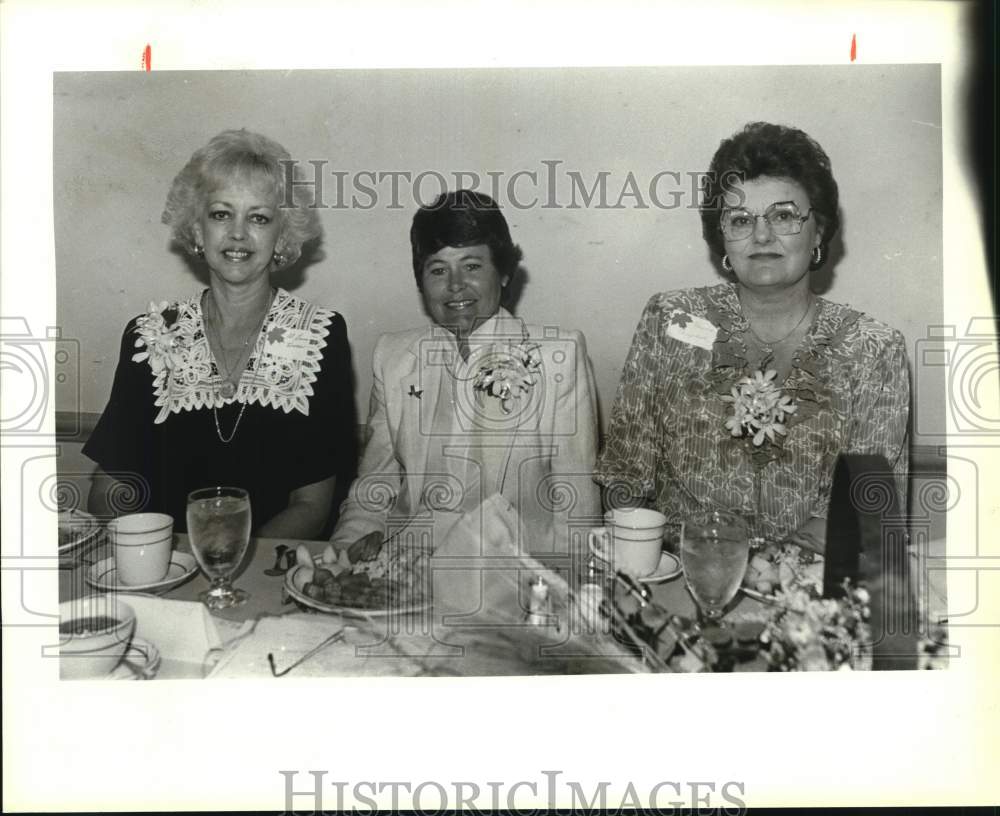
(882, 414)
(627, 464)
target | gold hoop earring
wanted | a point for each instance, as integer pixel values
(726, 263)
(817, 255)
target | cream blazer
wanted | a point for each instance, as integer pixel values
(436, 448)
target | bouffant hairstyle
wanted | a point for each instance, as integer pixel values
(764, 149)
(458, 219)
(243, 155)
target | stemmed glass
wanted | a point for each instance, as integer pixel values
(218, 523)
(714, 552)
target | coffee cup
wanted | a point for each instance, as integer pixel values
(631, 540)
(94, 632)
(143, 543)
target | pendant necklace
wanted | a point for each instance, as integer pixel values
(227, 390)
(767, 346)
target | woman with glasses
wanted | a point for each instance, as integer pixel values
(740, 396)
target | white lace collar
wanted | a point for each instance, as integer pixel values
(283, 366)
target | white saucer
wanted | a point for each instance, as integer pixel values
(140, 662)
(104, 576)
(77, 531)
(669, 567)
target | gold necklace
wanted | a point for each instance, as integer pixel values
(767, 346)
(228, 388)
(232, 376)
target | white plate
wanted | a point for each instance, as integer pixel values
(140, 662)
(295, 586)
(79, 529)
(104, 576)
(669, 567)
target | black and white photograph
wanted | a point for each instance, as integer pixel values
(486, 400)
(603, 376)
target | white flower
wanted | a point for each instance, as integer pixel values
(509, 374)
(165, 345)
(800, 632)
(759, 408)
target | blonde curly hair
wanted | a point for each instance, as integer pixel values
(238, 153)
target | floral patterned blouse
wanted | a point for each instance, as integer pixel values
(668, 441)
(290, 422)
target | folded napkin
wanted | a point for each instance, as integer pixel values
(481, 597)
(477, 570)
(184, 632)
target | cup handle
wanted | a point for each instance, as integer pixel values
(602, 550)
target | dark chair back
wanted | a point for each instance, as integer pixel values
(866, 542)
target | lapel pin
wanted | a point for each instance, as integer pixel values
(415, 393)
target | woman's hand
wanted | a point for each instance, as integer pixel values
(811, 535)
(306, 514)
(365, 548)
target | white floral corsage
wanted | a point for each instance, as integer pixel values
(509, 373)
(759, 408)
(162, 337)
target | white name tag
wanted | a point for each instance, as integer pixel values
(288, 343)
(691, 329)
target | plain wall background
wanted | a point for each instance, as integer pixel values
(121, 137)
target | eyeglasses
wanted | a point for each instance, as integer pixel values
(782, 217)
(336, 637)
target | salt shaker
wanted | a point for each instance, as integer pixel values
(538, 603)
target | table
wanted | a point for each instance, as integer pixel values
(266, 599)
(563, 655)
(265, 591)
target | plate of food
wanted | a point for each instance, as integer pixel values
(396, 581)
(778, 567)
(77, 530)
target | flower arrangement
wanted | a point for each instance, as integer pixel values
(162, 336)
(509, 373)
(817, 634)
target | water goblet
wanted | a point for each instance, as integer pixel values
(218, 523)
(714, 552)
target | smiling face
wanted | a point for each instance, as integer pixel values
(765, 261)
(238, 229)
(461, 287)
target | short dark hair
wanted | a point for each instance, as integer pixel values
(458, 219)
(765, 149)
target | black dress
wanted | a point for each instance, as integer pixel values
(292, 421)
